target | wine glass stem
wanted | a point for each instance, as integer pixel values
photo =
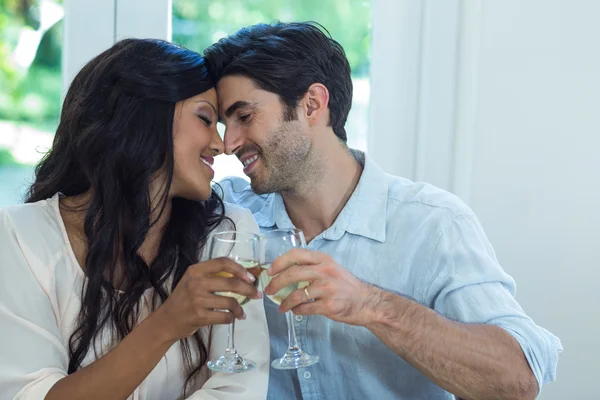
(293, 341)
(230, 332)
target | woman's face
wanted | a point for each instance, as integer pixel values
(195, 142)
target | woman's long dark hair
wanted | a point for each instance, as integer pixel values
(115, 132)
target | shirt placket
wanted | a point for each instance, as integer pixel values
(307, 377)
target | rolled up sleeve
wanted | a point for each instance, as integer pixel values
(470, 286)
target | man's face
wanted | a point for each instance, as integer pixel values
(272, 149)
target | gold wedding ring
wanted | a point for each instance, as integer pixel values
(308, 299)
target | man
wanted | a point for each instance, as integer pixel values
(406, 297)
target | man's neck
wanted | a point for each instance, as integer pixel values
(315, 205)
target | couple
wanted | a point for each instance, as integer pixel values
(106, 290)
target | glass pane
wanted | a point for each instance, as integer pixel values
(199, 23)
(30, 89)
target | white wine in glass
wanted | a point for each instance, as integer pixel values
(241, 247)
(274, 244)
(253, 267)
(278, 297)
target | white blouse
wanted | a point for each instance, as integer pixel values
(40, 287)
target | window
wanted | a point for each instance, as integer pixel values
(32, 40)
(30, 91)
(199, 23)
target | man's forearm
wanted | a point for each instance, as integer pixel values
(471, 361)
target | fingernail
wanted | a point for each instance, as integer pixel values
(251, 277)
(244, 316)
(259, 295)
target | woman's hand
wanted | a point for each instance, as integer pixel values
(191, 306)
(194, 304)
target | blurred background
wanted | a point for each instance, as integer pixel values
(494, 100)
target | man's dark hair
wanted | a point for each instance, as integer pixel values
(285, 59)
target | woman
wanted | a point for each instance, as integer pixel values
(103, 294)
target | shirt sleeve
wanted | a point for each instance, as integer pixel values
(251, 341)
(470, 286)
(32, 356)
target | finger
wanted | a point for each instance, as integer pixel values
(222, 302)
(298, 297)
(221, 264)
(314, 308)
(219, 317)
(214, 284)
(293, 257)
(292, 275)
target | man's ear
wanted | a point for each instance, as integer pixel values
(316, 103)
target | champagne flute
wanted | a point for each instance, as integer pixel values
(241, 247)
(272, 245)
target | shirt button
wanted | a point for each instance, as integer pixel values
(299, 318)
(307, 375)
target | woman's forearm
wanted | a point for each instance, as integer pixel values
(118, 373)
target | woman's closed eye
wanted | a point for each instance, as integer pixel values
(206, 120)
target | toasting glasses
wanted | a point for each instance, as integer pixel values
(272, 245)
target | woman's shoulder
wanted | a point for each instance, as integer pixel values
(32, 244)
(35, 218)
(241, 217)
(34, 227)
(236, 212)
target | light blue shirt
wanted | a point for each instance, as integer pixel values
(410, 238)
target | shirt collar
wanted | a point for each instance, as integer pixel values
(364, 214)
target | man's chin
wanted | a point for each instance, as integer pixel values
(257, 187)
(260, 187)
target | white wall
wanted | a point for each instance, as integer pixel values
(92, 26)
(535, 179)
(514, 131)
(143, 19)
(89, 29)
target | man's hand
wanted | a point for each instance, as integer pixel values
(332, 291)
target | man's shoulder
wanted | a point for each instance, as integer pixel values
(424, 197)
(234, 184)
(236, 190)
(409, 196)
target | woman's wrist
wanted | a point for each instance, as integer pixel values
(160, 326)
